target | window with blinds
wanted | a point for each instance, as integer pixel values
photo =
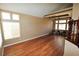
(11, 25)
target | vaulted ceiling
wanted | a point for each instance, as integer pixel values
(34, 9)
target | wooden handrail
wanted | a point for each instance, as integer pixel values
(75, 37)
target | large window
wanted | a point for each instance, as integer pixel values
(61, 24)
(11, 26)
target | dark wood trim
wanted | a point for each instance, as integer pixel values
(59, 16)
(72, 36)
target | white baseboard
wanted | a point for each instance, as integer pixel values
(25, 40)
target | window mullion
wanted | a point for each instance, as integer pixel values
(11, 16)
(66, 25)
(58, 25)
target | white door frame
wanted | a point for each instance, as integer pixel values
(2, 34)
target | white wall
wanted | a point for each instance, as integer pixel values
(75, 13)
(71, 49)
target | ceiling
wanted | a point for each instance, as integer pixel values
(34, 9)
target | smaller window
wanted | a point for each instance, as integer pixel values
(56, 26)
(15, 17)
(62, 26)
(6, 16)
(56, 21)
(62, 21)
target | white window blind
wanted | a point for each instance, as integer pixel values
(62, 26)
(11, 25)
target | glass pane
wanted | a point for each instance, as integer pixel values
(62, 26)
(56, 21)
(15, 29)
(56, 25)
(7, 30)
(15, 17)
(11, 30)
(62, 21)
(6, 15)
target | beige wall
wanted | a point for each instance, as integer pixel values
(75, 13)
(30, 27)
(33, 26)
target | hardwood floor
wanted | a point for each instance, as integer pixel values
(43, 46)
